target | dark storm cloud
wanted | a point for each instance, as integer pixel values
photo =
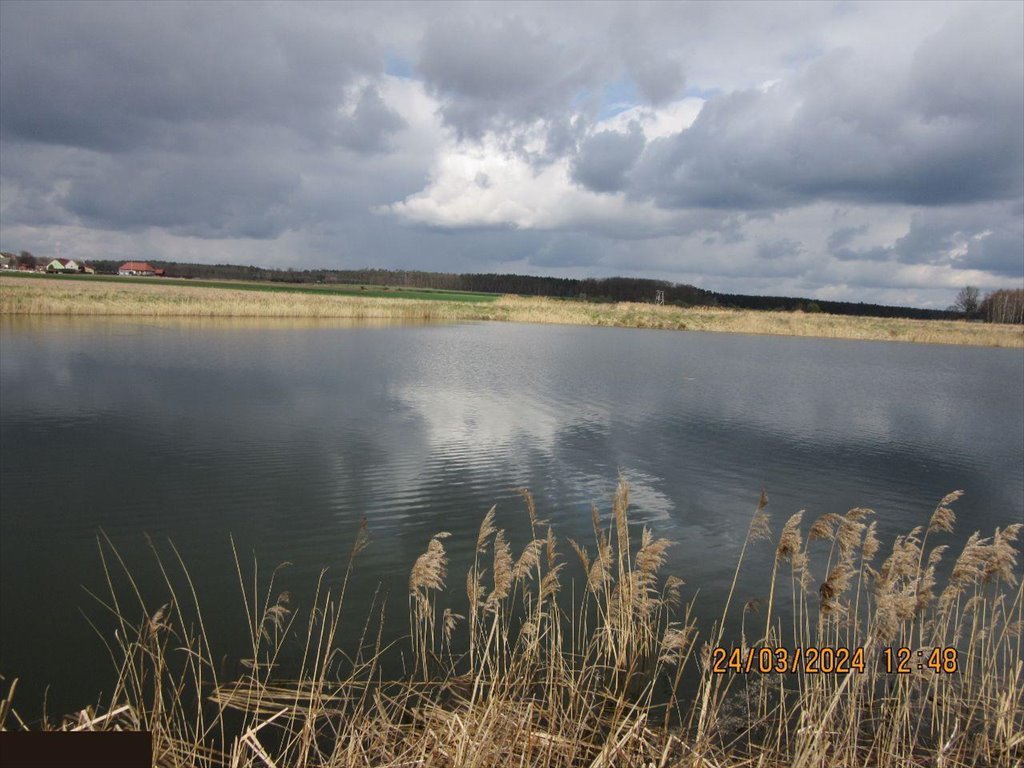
(122, 75)
(948, 132)
(842, 236)
(1000, 251)
(566, 250)
(605, 157)
(987, 237)
(195, 196)
(190, 117)
(659, 79)
(563, 136)
(371, 123)
(491, 71)
(522, 63)
(779, 249)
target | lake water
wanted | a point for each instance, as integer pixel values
(283, 435)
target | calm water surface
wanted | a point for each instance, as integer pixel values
(284, 436)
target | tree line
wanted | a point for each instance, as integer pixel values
(1005, 306)
(1002, 306)
(25, 259)
(608, 289)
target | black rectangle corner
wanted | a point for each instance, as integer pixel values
(81, 749)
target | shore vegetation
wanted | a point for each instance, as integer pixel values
(139, 297)
(565, 653)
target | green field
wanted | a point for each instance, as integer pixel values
(370, 291)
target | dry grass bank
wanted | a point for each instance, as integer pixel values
(54, 297)
(628, 315)
(520, 664)
(26, 296)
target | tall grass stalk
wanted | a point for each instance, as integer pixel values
(594, 663)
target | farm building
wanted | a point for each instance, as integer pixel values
(62, 265)
(137, 268)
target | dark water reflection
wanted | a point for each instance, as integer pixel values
(284, 435)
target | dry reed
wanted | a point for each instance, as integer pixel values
(613, 674)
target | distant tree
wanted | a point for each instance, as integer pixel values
(813, 308)
(968, 301)
(1005, 306)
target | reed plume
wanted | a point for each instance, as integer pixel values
(545, 671)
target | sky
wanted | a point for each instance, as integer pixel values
(851, 151)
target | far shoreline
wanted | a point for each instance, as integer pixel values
(59, 296)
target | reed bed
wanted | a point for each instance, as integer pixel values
(20, 296)
(533, 666)
(821, 325)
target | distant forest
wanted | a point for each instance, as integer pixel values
(609, 289)
(999, 306)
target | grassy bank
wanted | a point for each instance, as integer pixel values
(172, 298)
(768, 323)
(62, 296)
(527, 665)
(333, 289)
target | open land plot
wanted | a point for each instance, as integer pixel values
(174, 298)
(162, 297)
(373, 291)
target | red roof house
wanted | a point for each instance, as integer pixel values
(136, 268)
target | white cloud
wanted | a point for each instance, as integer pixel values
(487, 183)
(657, 122)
